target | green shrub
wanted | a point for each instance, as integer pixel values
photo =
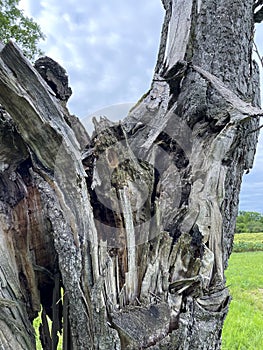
(248, 242)
(249, 221)
(247, 247)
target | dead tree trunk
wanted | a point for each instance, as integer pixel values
(137, 223)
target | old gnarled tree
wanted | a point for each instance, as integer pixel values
(136, 223)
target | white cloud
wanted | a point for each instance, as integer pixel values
(252, 186)
(106, 44)
(25, 5)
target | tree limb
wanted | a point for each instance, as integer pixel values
(257, 3)
(258, 54)
(257, 129)
(258, 16)
(244, 107)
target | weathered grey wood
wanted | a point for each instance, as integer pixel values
(56, 312)
(16, 332)
(44, 332)
(53, 147)
(140, 223)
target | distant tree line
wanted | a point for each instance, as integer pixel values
(249, 221)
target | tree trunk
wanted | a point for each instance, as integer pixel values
(136, 224)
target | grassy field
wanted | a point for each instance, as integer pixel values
(243, 329)
(248, 242)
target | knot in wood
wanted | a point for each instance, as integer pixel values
(55, 76)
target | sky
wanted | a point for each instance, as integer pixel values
(109, 49)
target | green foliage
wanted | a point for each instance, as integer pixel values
(249, 221)
(16, 26)
(248, 242)
(247, 247)
(243, 328)
(36, 323)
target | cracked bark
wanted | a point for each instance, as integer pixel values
(136, 224)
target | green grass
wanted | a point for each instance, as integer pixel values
(36, 325)
(244, 242)
(253, 237)
(243, 328)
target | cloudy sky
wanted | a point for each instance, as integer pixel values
(108, 48)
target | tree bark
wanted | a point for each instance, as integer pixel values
(137, 223)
